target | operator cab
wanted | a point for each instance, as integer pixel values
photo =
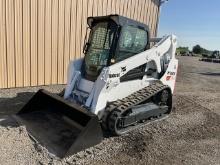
(112, 39)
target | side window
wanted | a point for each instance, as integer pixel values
(140, 40)
(132, 41)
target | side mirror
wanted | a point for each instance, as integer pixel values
(86, 44)
(86, 47)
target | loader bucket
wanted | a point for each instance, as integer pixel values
(63, 128)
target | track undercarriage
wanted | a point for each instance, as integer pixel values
(148, 104)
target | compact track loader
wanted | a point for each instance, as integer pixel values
(122, 82)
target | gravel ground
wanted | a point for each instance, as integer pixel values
(190, 135)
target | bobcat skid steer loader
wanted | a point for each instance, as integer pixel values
(119, 85)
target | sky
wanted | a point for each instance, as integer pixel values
(193, 21)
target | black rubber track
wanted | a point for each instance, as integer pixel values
(120, 108)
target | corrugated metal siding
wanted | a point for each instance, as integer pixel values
(39, 37)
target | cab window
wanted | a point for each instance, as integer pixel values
(133, 40)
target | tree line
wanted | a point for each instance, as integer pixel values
(197, 50)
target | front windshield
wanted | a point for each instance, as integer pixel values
(100, 42)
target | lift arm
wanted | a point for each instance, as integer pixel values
(165, 45)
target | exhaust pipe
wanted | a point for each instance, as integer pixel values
(62, 127)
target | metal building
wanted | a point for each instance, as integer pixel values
(38, 38)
